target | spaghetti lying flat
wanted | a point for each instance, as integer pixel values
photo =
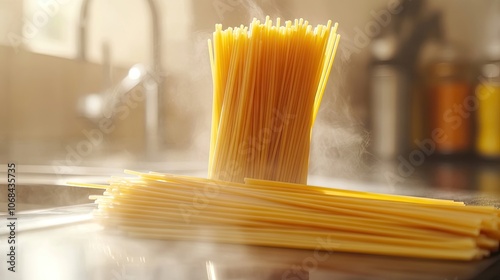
(268, 82)
(269, 213)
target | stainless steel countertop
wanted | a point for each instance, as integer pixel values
(65, 243)
(83, 250)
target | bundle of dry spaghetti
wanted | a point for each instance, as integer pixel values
(278, 214)
(268, 82)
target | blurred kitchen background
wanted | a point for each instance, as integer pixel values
(92, 86)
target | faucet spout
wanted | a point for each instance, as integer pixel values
(153, 83)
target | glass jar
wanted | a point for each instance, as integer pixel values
(488, 112)
(449, 104)
(389, 101)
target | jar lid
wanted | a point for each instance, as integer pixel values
(490, 70)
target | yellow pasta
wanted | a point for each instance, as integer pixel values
(268, 82)
(266, 213)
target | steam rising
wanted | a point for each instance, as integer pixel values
(339, 141)
(254, 10)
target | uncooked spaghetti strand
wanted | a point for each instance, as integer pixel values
(332, 191)
(331, 51)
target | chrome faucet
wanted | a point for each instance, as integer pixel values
(151, 80)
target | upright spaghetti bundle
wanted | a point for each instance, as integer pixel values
(268, 82)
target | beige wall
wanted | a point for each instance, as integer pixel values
(10, 15)
(40, 119)
(41, 95)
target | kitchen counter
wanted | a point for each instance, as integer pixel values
(65, 243)
(78, 248)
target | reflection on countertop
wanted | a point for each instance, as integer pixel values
(46, 186)
(84, 250)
